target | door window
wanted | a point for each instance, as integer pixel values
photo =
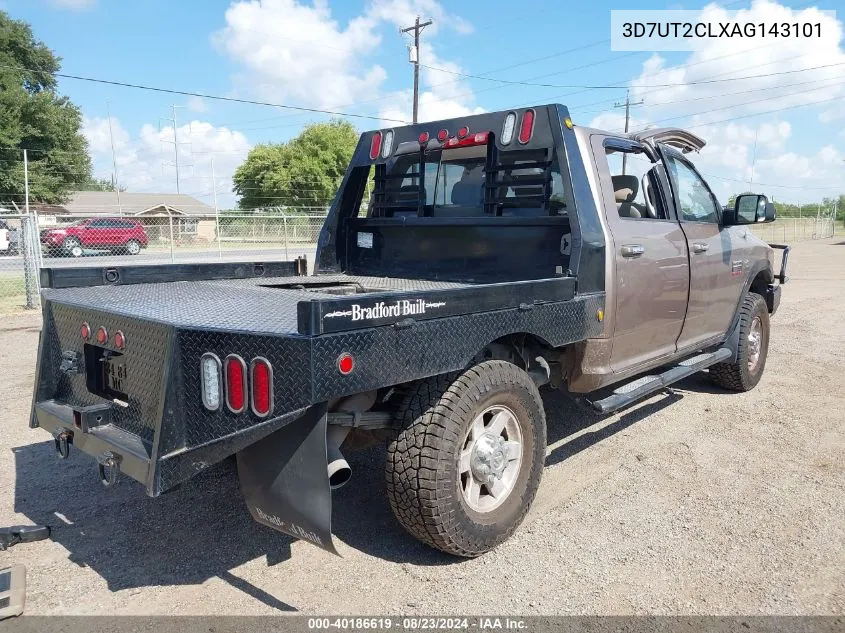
(696, 202)
(634, 180)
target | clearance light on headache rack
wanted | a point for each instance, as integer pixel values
(508, 128)
(479, 138)
(442, 135)
(261, 381)
(387, 144)
(119, 340)
(424, 138)
(210, 370)
(375, 145)
(102, 335)
(463, 132)
(85, 331)
(526, 128)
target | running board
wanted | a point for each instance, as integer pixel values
(647, 385)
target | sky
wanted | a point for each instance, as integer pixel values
(782, 132)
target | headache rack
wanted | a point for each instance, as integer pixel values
(530, 190)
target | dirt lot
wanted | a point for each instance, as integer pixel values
(705, 502)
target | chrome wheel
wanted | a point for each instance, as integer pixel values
(133, 247)
(490, 459)
(755, 343)
(73, 247)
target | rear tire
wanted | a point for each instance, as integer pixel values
(745, 373)
(467, 462)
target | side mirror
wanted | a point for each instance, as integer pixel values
(751, 209)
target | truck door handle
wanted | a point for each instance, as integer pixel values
(700, 247)
(632, 250)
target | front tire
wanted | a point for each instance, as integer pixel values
(467, 462)
(745, 373)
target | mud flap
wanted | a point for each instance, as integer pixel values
(285, 481)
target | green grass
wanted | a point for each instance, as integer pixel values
(13, 294)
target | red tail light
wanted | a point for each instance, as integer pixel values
(235, 370)
(526, 128)
(261, 382)
(375, 146)
(423, 138)
(102, 335)
(442, 135)
(463, 132)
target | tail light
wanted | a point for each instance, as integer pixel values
(423, 138)
(102, 335)
(375, 145)
(387, 144)
(235, 370)
(85, 331)
(210, 371)
(526, 128)
(463, 132)
(508, 128)
(442, 135)
(261, 383)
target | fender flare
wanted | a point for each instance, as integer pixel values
(732, 340)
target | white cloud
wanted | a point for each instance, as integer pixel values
(733, 117)
(800, 70)
(145, 162)
(196, 104)
(73, 5)
(298, 52)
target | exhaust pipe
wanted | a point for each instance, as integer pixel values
(339, 470)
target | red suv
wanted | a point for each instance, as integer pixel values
(114, 234)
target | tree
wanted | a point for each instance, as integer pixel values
(99, 184)
(303, 173)
(34, 117)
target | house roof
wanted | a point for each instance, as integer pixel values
(106, 203)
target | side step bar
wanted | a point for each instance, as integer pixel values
(647, 385)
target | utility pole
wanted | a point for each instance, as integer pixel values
(627, 105)
(115, 180)
(28, 238)
(216, 211)
(175, 141)
(415, 59)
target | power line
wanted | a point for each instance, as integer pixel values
(186, 93)
(621, 87)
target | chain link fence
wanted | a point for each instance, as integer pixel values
(29, 242)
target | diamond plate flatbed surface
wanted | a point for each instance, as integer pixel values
(240, 304)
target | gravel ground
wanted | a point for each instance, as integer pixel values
(700, 503)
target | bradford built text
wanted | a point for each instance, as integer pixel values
(383, 310)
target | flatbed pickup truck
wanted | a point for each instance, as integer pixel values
(464, 265)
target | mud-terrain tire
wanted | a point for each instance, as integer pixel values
(744, 374)
(450, 421)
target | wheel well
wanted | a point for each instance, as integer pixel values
(760, 283)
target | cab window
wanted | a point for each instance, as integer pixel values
(695, 200)
(635, 184)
